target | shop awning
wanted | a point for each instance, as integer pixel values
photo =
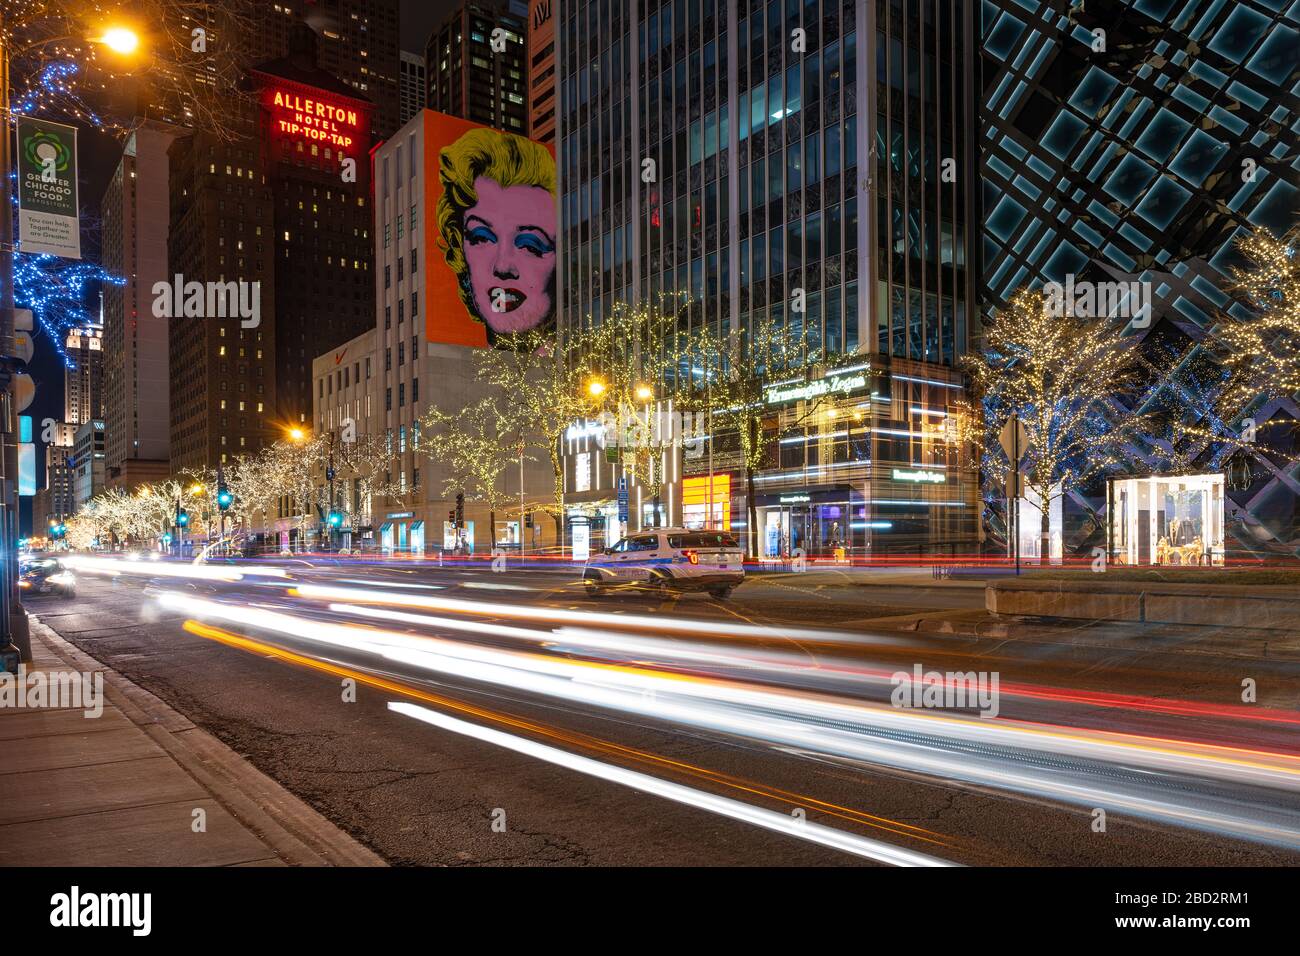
(417, 525)
(386, 527)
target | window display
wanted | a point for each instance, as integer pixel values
(1167, 520)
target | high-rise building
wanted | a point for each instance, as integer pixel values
(57, 499)
(541, 70)
(1137, 142)
(285, 207)
(412, 89)
(222, 380)
(83, 375)
(763, 157)
(359, 44)
(315, 140)
(419, 353)
(468, 78)
(135, 229)
(87, 462)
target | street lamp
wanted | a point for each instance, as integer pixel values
(296, 434)
(596, 388)
(644, 393)
(121, 40)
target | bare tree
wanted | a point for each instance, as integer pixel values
(66, 62)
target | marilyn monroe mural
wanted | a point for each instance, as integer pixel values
(497, 229)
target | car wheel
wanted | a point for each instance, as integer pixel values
(721, 593)
(593, 588)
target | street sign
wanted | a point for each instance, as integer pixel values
(24, 348)
(622, 500)
(47, 188)
(1013, 433)
(24, 391)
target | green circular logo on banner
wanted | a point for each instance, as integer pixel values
(42, 146)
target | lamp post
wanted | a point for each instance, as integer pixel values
(329, 476)
(13, 619)
(13, 626)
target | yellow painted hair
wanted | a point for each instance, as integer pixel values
(510, 160)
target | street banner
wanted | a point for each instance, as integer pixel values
(47, 188)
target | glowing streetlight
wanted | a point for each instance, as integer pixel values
(121, 40)
(297, 434)
(197, 489)
(644, 393)
(596, 388)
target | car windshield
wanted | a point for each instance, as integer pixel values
(701, 539)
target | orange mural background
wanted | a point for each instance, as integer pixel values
(446, 318)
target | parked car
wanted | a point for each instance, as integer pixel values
(671, 559)
(46, 576)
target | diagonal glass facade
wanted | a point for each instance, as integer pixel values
(1138, 140)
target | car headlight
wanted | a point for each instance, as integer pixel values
(155, 556)
(63, 578)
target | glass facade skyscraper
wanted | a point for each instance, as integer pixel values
(756, 153)
(1138, 140)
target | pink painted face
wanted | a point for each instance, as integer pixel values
(510, 250)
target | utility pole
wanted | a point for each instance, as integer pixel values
(13, 619)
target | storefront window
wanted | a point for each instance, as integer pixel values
(1167, 520)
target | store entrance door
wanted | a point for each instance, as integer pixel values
(785, 530)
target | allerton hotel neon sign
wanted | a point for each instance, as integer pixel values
(311, 119)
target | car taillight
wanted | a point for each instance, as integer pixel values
(692, 556)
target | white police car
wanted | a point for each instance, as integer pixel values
(676, 559)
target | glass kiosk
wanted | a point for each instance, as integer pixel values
(1166, 520)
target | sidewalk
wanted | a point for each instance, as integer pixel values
(121, 789)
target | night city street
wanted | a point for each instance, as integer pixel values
(416, 795)
(443, 441)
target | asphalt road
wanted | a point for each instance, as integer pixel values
(775, 701)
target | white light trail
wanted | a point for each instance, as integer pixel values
(723, 806)
(925, 741)
(193, 572)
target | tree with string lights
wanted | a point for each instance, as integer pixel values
(1262, 352)
(474, 453)
(1062, 378)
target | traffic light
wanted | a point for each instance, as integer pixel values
(451, 517)
(182, 518)
(460, 509)
(336, 519)
(224, 497)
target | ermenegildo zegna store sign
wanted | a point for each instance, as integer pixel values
(834, 384)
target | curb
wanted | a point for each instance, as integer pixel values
(293, 830)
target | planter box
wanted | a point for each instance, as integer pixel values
(1215, 605)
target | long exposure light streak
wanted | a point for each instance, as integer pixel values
(992, 753)
(723, 806)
